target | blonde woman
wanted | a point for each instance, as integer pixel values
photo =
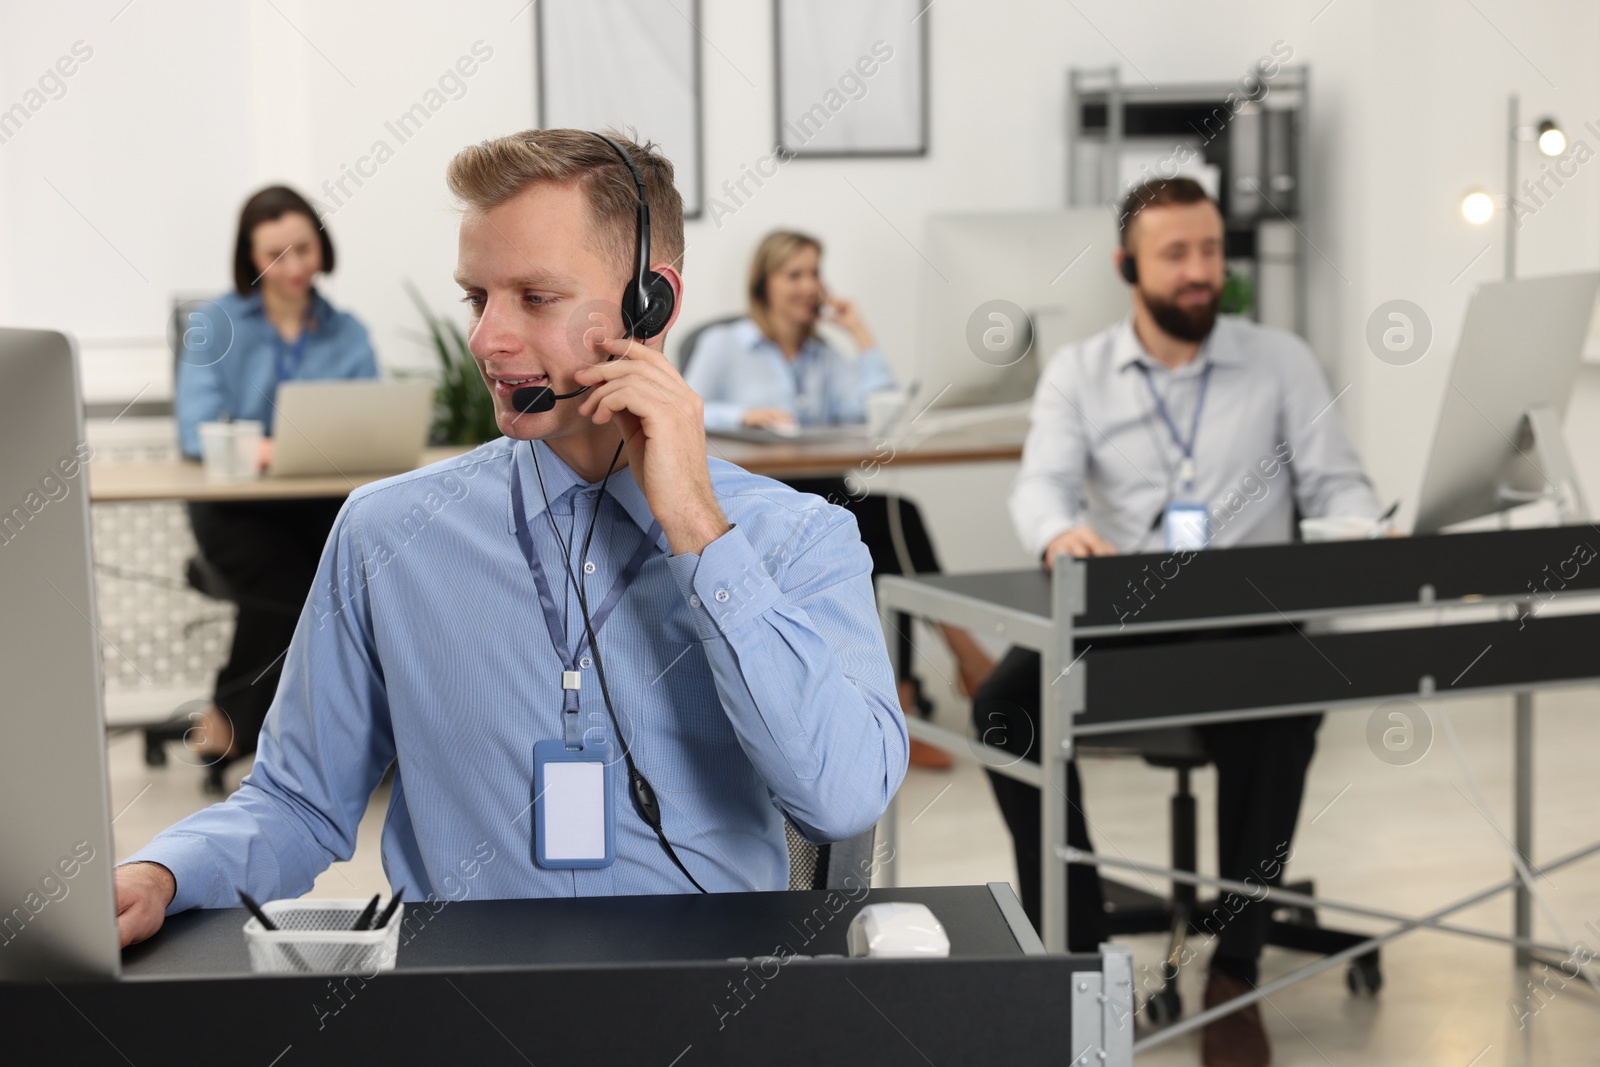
(773, 370)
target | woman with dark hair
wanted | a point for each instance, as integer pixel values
(273, 327)
(772, 370)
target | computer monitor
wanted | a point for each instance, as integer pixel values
(1053, 265)
(57, 906)
(1498, 443)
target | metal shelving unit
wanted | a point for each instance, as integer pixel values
(1255, 140)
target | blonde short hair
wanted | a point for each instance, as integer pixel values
(771, 254)
(489, 173)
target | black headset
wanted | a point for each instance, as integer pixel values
(1129, 267)
(647, 302)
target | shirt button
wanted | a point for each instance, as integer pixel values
(588, 567)
(694, 601)
(722, 596)
(586, 663)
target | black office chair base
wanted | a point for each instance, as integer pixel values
(175, 729)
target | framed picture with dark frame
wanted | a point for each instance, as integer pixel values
(852, 77)
(629, 64)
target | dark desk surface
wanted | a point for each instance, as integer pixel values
(597, 930)
(621, 980)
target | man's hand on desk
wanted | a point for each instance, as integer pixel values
(1079, 541)
(264, 457)
(663, 422)
(768, 419)
(143, 892)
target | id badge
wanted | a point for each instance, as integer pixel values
(1187, 526)
(574, 824)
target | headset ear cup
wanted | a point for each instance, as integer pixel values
(659, 302)
(1130, 269)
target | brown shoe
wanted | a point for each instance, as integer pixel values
(1236, 1040)
(929, 758)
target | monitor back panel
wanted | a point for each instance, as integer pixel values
(1520, 348)
(57, 911)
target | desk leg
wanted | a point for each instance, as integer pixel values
(1522, 814)
(1054, 732)
(887, 876)
(1058, 702)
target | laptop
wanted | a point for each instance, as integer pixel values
(350, 426)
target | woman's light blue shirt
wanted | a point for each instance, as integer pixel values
(735, 367)
(230, 356)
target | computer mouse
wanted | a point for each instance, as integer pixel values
(897, 930)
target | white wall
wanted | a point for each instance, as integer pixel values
(187, 106)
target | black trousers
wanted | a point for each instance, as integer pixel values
(267, 552)
(1261, 770)
(877, 524)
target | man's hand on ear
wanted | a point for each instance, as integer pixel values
(663, 422)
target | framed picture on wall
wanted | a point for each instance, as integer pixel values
(852, 77)
(629, 64)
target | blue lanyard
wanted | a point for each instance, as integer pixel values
(1187, 448)
(289, 359)
(554, 621)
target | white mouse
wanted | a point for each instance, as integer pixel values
(897, 930)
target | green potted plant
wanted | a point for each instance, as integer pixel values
(463, 410)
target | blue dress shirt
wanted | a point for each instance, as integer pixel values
(241, 380)
(752, 681)
(735, 367)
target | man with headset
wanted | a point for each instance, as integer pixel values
(1177, 429)
(598, 662)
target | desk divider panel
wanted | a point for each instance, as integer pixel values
(1284, 667)
(1336, 574)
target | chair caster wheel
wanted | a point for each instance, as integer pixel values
(1164, 1007)
(1364, 978)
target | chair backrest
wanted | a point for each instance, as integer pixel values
(828, 866)
(686, 350)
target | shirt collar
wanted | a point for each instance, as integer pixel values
(321, 310)
(560, 478)
(1218, 348)
(751, 337)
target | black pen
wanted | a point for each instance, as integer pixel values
(1383, 520)
(255, 909)
(290, 951)
(364, 920)
(394, 902)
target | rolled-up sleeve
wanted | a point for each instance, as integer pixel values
(1328, 479)
(323, 749)
(852, 380)
(1047, 497)
(798, 658)
(707, 374)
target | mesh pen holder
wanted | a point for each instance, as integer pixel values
(315, 937)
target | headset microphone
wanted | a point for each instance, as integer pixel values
(533, 399)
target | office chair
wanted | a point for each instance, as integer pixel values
(686, 350)
(203, 578)
(828, 866)
(1130, 910)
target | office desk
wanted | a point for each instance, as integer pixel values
(184, 480)
(650, 980)
(1422, 636)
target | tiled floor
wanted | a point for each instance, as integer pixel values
(1407, 838)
